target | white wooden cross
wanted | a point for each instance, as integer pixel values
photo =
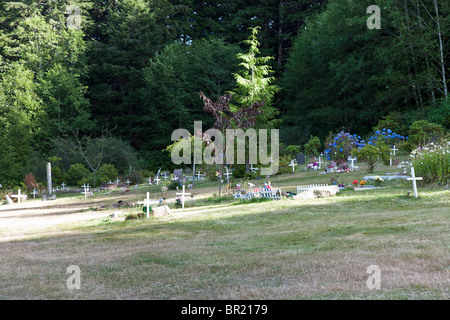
(149, 180)
(174, 178)
(320, 162)
(253, 169)
(86, 190)
(64, 185)
(414, 179)
(182, 196)
(147, 203)
(110, 182)
(165, 176)
(19, 195)
(392, 154)
(34, 193)
(117, 181)
(227, 173)
(199, 175)
(53, 190)
(293, 164)
(394, 149)
(352, 165)
(128, 182)
(157, 179)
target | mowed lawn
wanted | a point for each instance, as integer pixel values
(289, 249)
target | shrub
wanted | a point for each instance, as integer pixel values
(30, 182)
(341, 146)
(292, 150)
(312, 147)
(77, 174)
(284, 165)
(106, 173)
(432, 162)
(371, 154)
(423, 132)
(440, 114)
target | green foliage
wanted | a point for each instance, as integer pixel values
(77, 174)
(371, 154)
(423, 132)
(293, 150)
(107, 172)
(175, 77)
(284, 162)
(312, 147)
(254, 82)
(432, 162)
(440, 114)
(340, 74)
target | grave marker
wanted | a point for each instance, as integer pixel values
(414, 179)
(86, 190)
(19, 196)
(182, 194)
(352, 165)
(34, 193)
(301, 159)
(292, 164)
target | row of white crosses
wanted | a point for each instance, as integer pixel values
(86, 190)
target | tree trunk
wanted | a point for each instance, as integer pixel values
(441, 49)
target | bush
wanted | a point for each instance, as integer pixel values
(371, 154)
(293, 150)
(284, 165)
(441, 114)
(106, 173)
(396, 122)
(312, 147)
(423, 132)
(30, 182)
(77, 175)
(432, 162)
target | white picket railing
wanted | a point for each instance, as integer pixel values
(310, 186)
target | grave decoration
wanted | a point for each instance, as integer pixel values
(265, 191)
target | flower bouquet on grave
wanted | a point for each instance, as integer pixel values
(355, 183)
(378, 181)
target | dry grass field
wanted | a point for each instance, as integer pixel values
(289, 249)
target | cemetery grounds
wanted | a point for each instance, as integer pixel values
(217, 248)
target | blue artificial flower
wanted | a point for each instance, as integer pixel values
(389, 131)
(340, 149)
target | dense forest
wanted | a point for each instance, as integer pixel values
(100, 85)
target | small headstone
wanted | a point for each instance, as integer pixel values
(178, 173)
(301, 159)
